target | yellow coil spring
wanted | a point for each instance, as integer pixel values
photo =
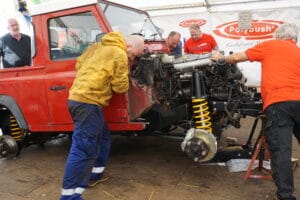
(16, 131)
(202, 114)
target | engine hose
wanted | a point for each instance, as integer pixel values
(16, 132)
(201, 114)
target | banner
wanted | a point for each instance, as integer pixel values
(224, 26)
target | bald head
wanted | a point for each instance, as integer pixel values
(135, 46)
(13, 27)
(173, 39)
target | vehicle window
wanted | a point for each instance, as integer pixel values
(70, 35)
(131, 22)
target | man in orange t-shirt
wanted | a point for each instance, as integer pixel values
(280, 90)
(199, 42)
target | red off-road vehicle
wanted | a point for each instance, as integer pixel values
(190, 93)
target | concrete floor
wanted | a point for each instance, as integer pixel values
(142, 168)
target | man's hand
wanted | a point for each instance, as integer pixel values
(230, 59)
(216, 56)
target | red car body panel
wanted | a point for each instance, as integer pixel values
(41, 90)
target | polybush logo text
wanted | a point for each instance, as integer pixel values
(260, 29)
(187, 23)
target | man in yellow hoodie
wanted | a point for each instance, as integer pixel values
(101, 70)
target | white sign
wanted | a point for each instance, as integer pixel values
(230, 37)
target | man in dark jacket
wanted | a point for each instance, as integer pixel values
(15, 47)
(174, 44)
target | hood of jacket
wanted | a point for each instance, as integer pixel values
(114, 39)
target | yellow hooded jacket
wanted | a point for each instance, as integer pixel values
(101, 69)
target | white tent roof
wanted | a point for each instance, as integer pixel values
(165, 7)
(204, 3)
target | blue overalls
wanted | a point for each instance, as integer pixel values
(89, 151)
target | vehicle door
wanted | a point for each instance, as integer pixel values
(70, 33)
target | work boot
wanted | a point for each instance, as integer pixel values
(93, 183)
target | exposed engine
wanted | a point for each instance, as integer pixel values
(198, 95)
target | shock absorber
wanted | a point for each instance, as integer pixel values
(16, 132)
(199, 102)
(8, 140)
(200, 144)
(201, 114)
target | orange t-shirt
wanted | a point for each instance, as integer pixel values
(205, 44)
(280, 70)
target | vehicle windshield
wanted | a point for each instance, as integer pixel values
(130, 21)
